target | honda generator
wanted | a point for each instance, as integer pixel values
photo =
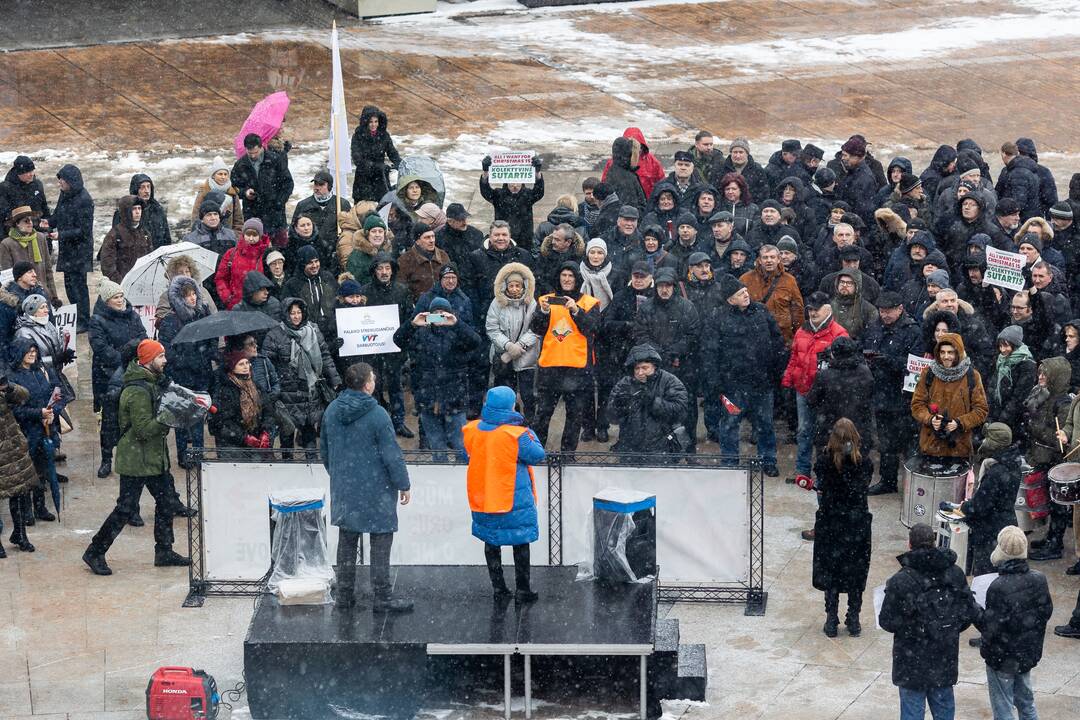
(180, 693)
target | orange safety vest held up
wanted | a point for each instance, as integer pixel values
(493, 463)
(563, 344)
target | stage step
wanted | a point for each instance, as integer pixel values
(667, 635)
(693, 672)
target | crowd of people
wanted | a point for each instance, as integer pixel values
(671, 304)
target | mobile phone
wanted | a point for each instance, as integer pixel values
(557, 300)
(435, 318)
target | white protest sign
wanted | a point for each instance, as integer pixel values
(915, 365)
(146, 314)
(67, 319)
(980, 584)
(512, 167)
(6, 276)
(367, 330)
(1004, 269)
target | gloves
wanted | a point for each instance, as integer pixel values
(67, 356)
(514, 350)
(251, 441)
(805, 482)
(537, 162)
(264, 440)
(486, 163)
(339, 342)
(658, 406)
(57, 303)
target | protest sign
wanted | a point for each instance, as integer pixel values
(6, 276)
(67, 319)
(511, 167)
(915, 364)
(367, 330)
(1004, 269)
(146, 314)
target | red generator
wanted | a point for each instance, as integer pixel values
(181, 693)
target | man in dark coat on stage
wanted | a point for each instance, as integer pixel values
(368, 478)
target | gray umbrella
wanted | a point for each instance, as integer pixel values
(224, 324)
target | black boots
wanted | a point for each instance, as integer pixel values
(40, 511)
(832, 620)
(136, 520)
(169, 558)
(104, 469)
(18, 506)
(854, 605)
(1051, 550)
(493, 555)
(881, 488)
(96, 562)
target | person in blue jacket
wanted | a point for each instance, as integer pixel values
(502, 491)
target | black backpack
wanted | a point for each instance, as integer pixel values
(941, 608)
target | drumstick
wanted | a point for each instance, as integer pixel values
(1061, 445)
(1071, 452)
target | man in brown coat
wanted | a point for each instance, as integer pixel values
(17, 474)
(126, 242)
(777, 289)
(418, 269)
(949, 401)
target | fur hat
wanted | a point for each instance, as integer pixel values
(1011, 545)
(729, 285)
(855, 146)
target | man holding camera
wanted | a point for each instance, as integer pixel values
(949, 401)
(647, 404)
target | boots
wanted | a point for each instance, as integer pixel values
(493, 557)
(3, 552)
(1052, 550)
(169, 558)
(96, 562)
(881, 488)
(18, 538)
(105, 469)
(854, 605)
(40, 511)
(524, 594)
(832, 620)
(136, 519)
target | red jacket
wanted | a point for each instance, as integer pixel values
(803, 366)
(234, 265)
(649, 170)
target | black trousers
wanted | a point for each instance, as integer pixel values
(523, 381)
(574, 387)
(896, 431)
(493, 556)
(380, 562)
(77, 292)
(161, 488)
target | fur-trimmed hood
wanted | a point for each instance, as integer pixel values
(577, 247)
(889, 222)
(1046, 230)
(179, 261)
(500, 284)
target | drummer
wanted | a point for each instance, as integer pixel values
(991, 507)
(1069, 435)
(949, 401)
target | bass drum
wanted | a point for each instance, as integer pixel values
(1065, 483)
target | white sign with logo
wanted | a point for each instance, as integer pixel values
(1004, 269)
(67, 320)
(511, 167)
(367, 330)
(915, 365)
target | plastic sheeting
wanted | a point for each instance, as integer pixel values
(181, 407)
(623, 537)
(298, 552)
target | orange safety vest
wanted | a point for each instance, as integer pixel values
(493, 463)
(563, 344)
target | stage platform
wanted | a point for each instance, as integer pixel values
(579, 643)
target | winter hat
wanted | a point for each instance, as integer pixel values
(230, 359)
(787, 243)
(939, 278)
(440, 303)
(855, 146)
(909, 182)
(1026, 146)
(253, 224)
(968, 144)
(596, 243)
(1061, 210)
(850, 252)
(812, 151)
(840, 205)
(824, 177)
(775, 205)
(979, 239)
(642, 268)
(217, 165)
(791, 146)
(1031, 239)
(500, 397)
(21, 268)
(272, 256)
(888, 300)
(642, 353)
(843, 347)
(996, 436)
(349, 287)
(696, 258)
(1007, 206)
(937, 259)
(686, 218)
(665, 275)
(966, 164)
(33, 303)
(1013, 334)
(419, 229)
(971, 188)
(23, 164)
(975, 260)
(431, 214)
(456, 211)
(374, 220)
(683, 156)
(739, 142)
(148, 350)
(1011, 545)
(729, 285)
(306, 254)
(854, 221)
(448, 269)
(918, 224)
(654, 231)
(107, 289)
(629, 212)
(723, 216)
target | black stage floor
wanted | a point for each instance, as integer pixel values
(580, 640)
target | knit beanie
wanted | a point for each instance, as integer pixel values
(33, 303)
(305, 254)
(272, 256)
(729, 285)
(107, 289)
(909, 182)
(1011, 545)
(1013, 334)
(855, 146)
(939, 278)
(996, 436)
(349, 287)
(148, 350)
(374, 220)
(771, 204)
(254, 224)
(596, 243)
(787, 243)
(739, 142)
(21, 268)
(1031, 239)
(218, 164)
(231, 358)
(1062, 210)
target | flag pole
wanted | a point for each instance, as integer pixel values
(333, 121)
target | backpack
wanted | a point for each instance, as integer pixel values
(939, 607)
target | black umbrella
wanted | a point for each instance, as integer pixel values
(225, 324)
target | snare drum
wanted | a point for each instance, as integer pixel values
(1065, 483)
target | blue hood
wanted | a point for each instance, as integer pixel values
(499, 407)
(355, 405)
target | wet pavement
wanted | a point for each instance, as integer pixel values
(565, 83)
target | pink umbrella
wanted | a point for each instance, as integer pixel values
(265, 119)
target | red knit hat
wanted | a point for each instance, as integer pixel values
(233, 357)
(148, 350)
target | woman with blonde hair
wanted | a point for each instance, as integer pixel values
(842, 525)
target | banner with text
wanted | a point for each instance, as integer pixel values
(1004, 269)
(67, 320)
(367, 330)
(511, 167)
(147, 314)
(915, 365)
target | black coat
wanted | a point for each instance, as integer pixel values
(991, 507)
(318, 294)
(273, 184)
(479, 275)
(458, 244)
(842, 524)
(515, 208)
(303, 407)
(1008, 408)
(742, 351)
(110, 330)
(154, 221)
(617, 322)
(843, 389)
(73, 221)
(754, 174)
(891, 345)
(622, 178)
(672, 328)
(369, 156)
(859, 189)
(14, 193)
(1013, 624)
(226, 425)
(1019, 180)
(442, 358)
(922, 659)
(324, 217)
(647, 413)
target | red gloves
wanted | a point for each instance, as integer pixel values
(251, 441)
(264, 440)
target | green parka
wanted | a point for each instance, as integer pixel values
(142, 451)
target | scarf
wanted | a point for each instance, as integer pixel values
(250, 406)
(590, 213)
(594, 281)
(304, 352)
(29, 243)
(956, 372)
(654, 257)
(322, 199)
(220, 187)
(1003, 368)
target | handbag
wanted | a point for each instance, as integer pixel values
(325, 392)
(65, 424)
(678, 439)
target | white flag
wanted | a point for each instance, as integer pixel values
(340, 163)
